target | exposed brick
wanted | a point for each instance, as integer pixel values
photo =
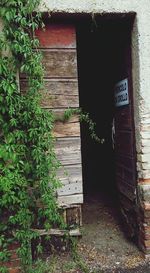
(12, 263)
(144, 192)
(142, 245)
(14, 270)
(145, 234)
(146, 243)
(144, 181)
(14, 255)
(13, 246)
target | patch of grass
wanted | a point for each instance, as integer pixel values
(48, 266)
(80, 263)
(70, 265)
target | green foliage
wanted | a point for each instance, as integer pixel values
(84, 117)
(28, 163)
(80, 263)
(41, 266)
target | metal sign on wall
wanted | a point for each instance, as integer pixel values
(121, 93)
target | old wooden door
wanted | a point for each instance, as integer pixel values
(58, 47)
(125, 154)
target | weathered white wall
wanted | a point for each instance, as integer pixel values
(141, 61)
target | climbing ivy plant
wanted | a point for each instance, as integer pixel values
(28, 163)
(84, 117)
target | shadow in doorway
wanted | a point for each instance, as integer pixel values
(99, 57)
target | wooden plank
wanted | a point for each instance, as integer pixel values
(57, 93)
(68, 150)
(69, 189)
(57, 36)
(60, 64)
(125, 201)
(124, 173)
(70, 174)
(123, 118)
(59, 114)
(65, 87)
(60, 94)
(70, 200)
(124, 143)
(50, 101)
(127, 161)
(67, 129)
(58, 232)
(70, 206)
(74, 217)
(126, 189)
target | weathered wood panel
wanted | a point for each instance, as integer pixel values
(70, 199)
(124, 142)
(58, 46)
(70, 174)
(125, 201)
(57, 232)
(125, 174)
(60, 94)
(65, 87)
(60, 63)
(57, 36)
(69, 189)
(126, 189)
(68, 150)
(123, 118)
(74, 216)
(127, 161)
(57, 93)
(68, 128)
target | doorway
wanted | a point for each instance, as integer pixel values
(104, 59)
(97, 65)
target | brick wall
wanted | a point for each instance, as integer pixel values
(143, 166)
(13, 265)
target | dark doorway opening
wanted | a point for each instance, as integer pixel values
(104, 58)
(100, 48)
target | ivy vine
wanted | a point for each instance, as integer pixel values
(28, 164)
(84, 117)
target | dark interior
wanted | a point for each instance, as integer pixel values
(100, 49)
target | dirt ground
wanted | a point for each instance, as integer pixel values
(103, 246)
